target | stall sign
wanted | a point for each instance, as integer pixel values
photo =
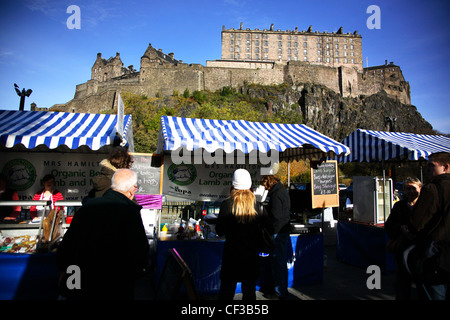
(73, 172)
(203, 182)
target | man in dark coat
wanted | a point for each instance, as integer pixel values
(278, 209)
(434, 200)
(107, 241)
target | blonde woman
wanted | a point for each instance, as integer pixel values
(240, 221)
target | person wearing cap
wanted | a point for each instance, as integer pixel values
(239, 221)
(278, 211)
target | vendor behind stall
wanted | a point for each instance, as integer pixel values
(46, 193)
(6, 194)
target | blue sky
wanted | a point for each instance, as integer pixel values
(39, 52)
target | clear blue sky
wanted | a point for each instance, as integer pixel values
(39, 52)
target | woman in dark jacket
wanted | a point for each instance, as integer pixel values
(278, 209)
(239, 220)
(399, 231)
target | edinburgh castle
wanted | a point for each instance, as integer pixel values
(266, 57)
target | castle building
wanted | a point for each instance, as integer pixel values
(323, 48)
(263, 57)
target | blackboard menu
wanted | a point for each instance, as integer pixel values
(324, 178)
(148, 168)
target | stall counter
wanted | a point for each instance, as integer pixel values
(204, 258)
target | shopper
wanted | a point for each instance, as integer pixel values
(434, 205)
(278, 209)
(240, 221)
(48, 192)
(398, 229)
(107, 241)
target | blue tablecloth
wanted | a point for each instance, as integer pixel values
(28, 276)
(363, 245)
(204, 258)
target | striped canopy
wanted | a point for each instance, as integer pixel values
(291, 140)
(62, 130)
(369, 146)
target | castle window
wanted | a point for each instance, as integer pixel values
(231, 35)
(296, 44)
(280, 50)
(289, 37)
(248, 49)
(248, 42)
(257, 42)
(289, 51)
(346, 60)
(305, 58)
(280, 44)
(328, 45)
(319, 45)
(336, 46)
(305, 44)
(352, 54)
(238, 56)
(266, 50)
(295, 58)
(266, 43)
(319, 52)
(289, 44)
(289, 58)
(353, 60)
(351, 47)
(257, 49)
(345, 53)
(345, 46)
(231, 49)
(336, 53)
(266, 36)
(279, 37)
(256, 36)
(279, 57)
(257, 56)
(319, 59)
(231, 42)
(248, 35)
(231, 56)
(248, 56)
(305, 52)
(265, 57)
(305, 38)
(337, 60)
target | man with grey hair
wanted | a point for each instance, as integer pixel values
(106, 242)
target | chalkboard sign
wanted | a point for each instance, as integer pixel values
(148, 168)
(324, 184)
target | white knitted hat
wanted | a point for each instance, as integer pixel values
(242, 180)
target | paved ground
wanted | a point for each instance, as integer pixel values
(341, 281)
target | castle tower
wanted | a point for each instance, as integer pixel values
(104, 70)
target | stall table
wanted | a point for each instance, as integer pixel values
(362, 245)
(204, 258)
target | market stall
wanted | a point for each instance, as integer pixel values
(200, 156)
(67, 145)
(362, 242)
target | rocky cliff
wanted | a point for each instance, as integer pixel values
(335, 116)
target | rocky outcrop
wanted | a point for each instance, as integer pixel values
(335, 116)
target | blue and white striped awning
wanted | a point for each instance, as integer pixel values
(37, 129)
(373, 146)
(245, 136)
